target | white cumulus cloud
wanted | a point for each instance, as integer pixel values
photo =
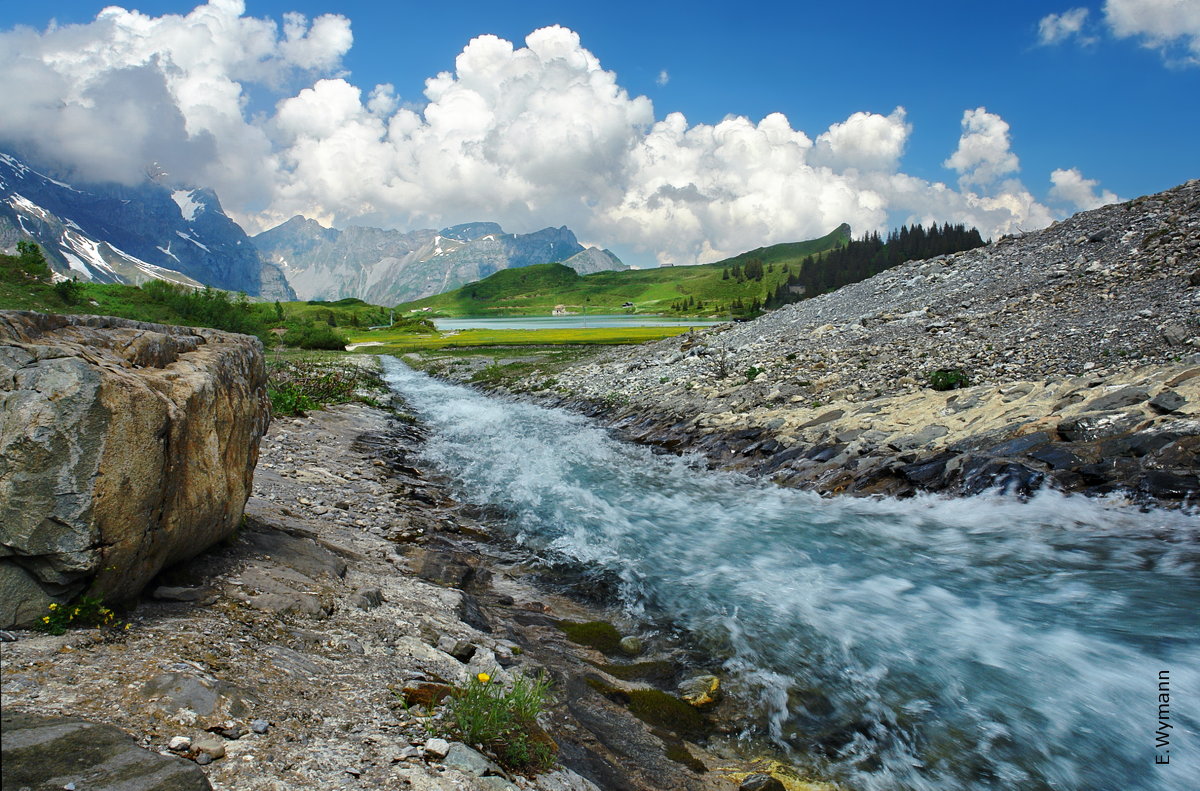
(984, 150)
(528, 135)
(663, 77)
(1160, 24)
(1056, 28)
(1070, 187)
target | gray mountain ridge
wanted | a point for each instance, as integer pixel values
(387, 267)
(112, 233)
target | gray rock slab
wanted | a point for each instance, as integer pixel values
(468, 761)
(48, 753)
(304, 555)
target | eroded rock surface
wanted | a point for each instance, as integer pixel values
(124, 447)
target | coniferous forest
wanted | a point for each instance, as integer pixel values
(869, 256)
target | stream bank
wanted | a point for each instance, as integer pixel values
(279, 654)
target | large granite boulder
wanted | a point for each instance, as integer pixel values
(124, 447)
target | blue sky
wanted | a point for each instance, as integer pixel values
(1118, 101)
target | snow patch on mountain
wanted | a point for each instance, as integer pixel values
(186, 203)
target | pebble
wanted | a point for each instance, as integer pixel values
(179, 744)
(437, 748)
(259, 726)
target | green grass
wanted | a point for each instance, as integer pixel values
(535, 290)
(307, 324)
(395, 342)
(300, 382)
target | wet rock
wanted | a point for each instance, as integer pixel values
(50, 752)
(1167, 401)
(761, 782)
(1118, 399)
(1166, 485)
(469, 612)
(452, 569)
(1056, 456)
(929, 471)
(631, 645)
(701, 691)
(1020, 445)
(980, 475)
(1090, 427)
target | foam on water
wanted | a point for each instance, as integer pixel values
(928, 643)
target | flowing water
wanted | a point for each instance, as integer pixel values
(929, 643)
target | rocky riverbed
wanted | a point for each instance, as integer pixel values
(294, 654)
(1071, 355)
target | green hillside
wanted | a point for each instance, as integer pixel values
(736, 285)
(26, 284)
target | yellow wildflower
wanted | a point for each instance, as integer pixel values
(483, 678)
(45, 619)
(128, 625)
(53, 606)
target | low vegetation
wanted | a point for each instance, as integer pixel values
(948, 379)
(399, 342)
(298, 383)
(85, 612)
(502, 720)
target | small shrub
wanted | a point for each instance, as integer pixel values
(947, 379)
(288, 399)
(315, 336)
(752, 373)
(84, 612)
(504, 720)
(69, 291)
(32, 262)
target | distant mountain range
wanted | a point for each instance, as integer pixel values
(111, 233)
(386, 267)
(735, 286)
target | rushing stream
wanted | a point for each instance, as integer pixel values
(928, 643)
